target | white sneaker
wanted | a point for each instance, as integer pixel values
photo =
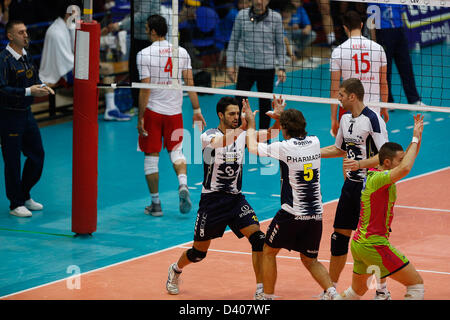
(382, 295)
(172, 280)
(259, 295)
(21, 211)
(420, 103)
(33, 205)
(185, 199)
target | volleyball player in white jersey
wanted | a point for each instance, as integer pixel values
(298, 224)
(361, 134)
(160, 116)
(360, 58)
(222, 203)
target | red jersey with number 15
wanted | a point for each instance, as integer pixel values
(156, 62)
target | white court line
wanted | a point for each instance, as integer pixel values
(298, 258)
(190, 242)
(395, 131)
(420, 208)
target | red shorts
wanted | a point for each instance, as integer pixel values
(159, 127)
(341, 112)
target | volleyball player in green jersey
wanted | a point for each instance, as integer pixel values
(370, 246)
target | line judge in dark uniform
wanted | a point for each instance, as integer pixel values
(19, 132)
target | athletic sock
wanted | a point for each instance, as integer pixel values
(382, 287)
(182, 179)
(155, 198)
(109, 101)
(176, 268)
(259, 287)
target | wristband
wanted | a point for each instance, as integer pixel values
(415, 140)
(197, 111)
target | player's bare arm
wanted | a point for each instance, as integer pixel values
(353, 165)
(334, 90)
(144, 95)
(384, 92)
(332, 152)
(249, 117)
(407, 162)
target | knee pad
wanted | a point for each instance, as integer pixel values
(150, 164)
(177, 155)
(415, 292)
(339, 244)
(195, 255)
(257, 240)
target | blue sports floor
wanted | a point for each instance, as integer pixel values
(39, 250)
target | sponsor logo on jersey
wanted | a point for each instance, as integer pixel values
(303, 159)
(317, 217)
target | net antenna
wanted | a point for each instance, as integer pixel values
(176, 82)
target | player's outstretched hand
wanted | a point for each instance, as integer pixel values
(350, 164)
(278, 106)
(199, 120)
(418, 126)
(247, 116)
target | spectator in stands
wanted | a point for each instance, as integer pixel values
(391, 35)
(226, 23)
(244, 4)
(57, 60)
(4, 11)
(327, 21)
(299, 30)
(286, 15)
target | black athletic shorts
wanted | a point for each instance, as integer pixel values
(349, 205)
(298, 233)
(218, 210)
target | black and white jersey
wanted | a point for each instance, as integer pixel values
(222, 166)
(361, 137)
(300, 173)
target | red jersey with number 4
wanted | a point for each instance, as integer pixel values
(361, 58)
(157, 63)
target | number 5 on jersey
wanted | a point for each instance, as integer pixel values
(308, 173)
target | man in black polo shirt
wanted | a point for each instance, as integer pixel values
(19, 83)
